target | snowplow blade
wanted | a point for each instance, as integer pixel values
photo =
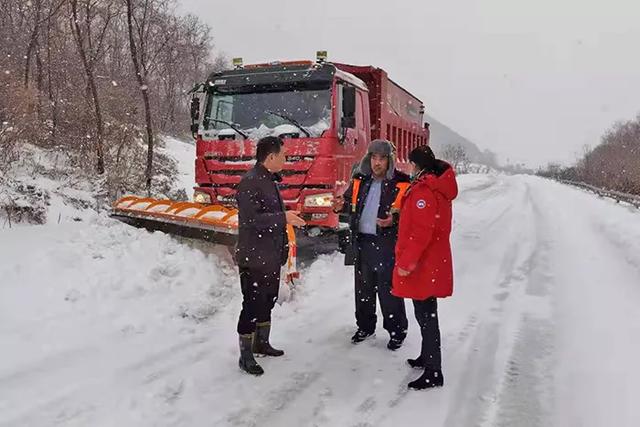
(213, 223)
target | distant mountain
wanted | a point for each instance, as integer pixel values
(442, 137)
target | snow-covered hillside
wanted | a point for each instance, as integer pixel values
(104, 325)
(41, 186)
(44, 185)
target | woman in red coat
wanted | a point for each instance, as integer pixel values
(424, 269)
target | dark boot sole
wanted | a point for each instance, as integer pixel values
(363, 340)
(261, 355)
(416, 367)
(427, 387)
(266, 351)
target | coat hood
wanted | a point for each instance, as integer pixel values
(443, 183)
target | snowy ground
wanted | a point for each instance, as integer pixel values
(105, 325)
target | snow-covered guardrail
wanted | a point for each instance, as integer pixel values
(615, 195)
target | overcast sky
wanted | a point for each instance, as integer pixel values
(533, 81)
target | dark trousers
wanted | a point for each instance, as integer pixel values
(374, 271)
(427, 317)
(259, 295)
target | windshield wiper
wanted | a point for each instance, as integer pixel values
(292, 121)
(232, 126)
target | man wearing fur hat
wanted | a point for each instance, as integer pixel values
(372, 202)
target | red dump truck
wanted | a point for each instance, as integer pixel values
(326, 112)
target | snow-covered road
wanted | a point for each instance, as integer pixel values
(105, 325)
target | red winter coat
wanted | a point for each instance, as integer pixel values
(423, 246)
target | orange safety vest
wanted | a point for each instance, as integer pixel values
(397, 203)
(402, 190)
(354, 194)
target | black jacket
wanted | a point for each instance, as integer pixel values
(262, 234)
(387, 236)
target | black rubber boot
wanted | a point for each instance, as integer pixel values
(430, 378)
(247, 363)
(261, 345)
(416, 363)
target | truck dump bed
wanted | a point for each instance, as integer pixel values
(396, 114)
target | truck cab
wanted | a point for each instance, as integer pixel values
(322, 111)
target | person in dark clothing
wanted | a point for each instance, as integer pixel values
(262, 250)
(372, 201)
(424, 265)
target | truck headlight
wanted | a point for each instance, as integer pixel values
(200, 197)
(323, 200)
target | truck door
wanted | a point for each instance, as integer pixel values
(352, 129)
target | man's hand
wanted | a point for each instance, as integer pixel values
(338, 203)
(294, 219)
(387, 222)
(403, 273)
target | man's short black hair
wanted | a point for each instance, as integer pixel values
(268, 145)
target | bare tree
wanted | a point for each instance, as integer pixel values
(137, 43)
(490, 158)
(612, 165)
(457, 156)
(96, 18)
(33, 40)
(38, 19)
(134, 59)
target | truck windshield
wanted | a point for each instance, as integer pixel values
(253, 113)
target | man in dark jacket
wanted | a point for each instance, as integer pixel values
(262, 250)
(372, 202)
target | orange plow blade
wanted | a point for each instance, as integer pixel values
(217, 224)
(213, 223)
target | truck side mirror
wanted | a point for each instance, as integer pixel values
(349, 107)
(195, 109)
(195, 115)
(348, 122)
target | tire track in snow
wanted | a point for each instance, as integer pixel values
(56, 398)
(596, 297)
(503, 342)
(277, 401)
(526, 390)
